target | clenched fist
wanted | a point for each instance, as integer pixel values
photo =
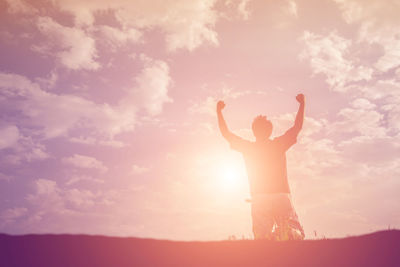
(220, 105)
(300, 98)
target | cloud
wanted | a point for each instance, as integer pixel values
(186, 24)
(79, 178)
(208, 105)
(78, 50)
(243, 9)
(119, 37)
(292, 8)
(86, 162)
(152, 83)
(385, 149)
(49, 203)
(46, 187)
(385, 95)
(56, 115)
(20, 7)
(330, 55)
(378, 22)
(10, 215)
(136, 169)
(9, 136)
(375, 11)
(362, 103)
(364, 122)
(48, 198)
(80, 198)
(29, 150)
(49, 81)
(89, 140)
(82, 120)
(25, 149)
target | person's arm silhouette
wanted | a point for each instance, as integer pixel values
(298, 124)
(235, 141)
(290, 137)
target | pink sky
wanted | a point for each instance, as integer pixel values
(108, 121)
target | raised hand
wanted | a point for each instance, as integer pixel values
(220, 105)
(300, 98)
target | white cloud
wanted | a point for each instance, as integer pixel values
(9, 136)
(46, 187)
(49, 81)
(25, 150)
(365, 122)
(80, 198)
(388, 38)
(151, 90)
(88, 140)
(362, 103)
(243, 9)
(48, 198)
(86, 162)
(379, 22)
(20, 7)
(119, 37)
(292, 8)
(186, 24)
(329, 55)
(136, 169)
(385, 150)
(387, 94)
(79, 178)
(208, 105)
(359, 10)
(56, 114)
(10, 215)
(78, 50)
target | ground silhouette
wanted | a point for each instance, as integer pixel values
(376, 249)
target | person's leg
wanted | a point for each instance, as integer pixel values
(262, 222)
(288, 225)
(297, 232)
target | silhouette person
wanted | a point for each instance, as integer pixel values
(273, 215)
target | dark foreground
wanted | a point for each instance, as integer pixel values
(377, 249)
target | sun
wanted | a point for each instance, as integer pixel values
(230, 177)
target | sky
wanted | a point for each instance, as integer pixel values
(108, 121)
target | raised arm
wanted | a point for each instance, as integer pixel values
(236, 142)
(228, 135)
(298, 124)
(221, 121)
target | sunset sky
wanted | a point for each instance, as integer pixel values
(108, 121)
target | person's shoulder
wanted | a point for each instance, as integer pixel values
(276, 139)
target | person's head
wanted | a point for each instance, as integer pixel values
(262, 128)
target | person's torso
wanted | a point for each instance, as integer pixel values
(266, 168)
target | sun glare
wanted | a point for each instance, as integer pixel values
(230, 177)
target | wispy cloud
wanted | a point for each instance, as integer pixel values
(74, 48)
(86, 162)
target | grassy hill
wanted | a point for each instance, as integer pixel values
(376, 249)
